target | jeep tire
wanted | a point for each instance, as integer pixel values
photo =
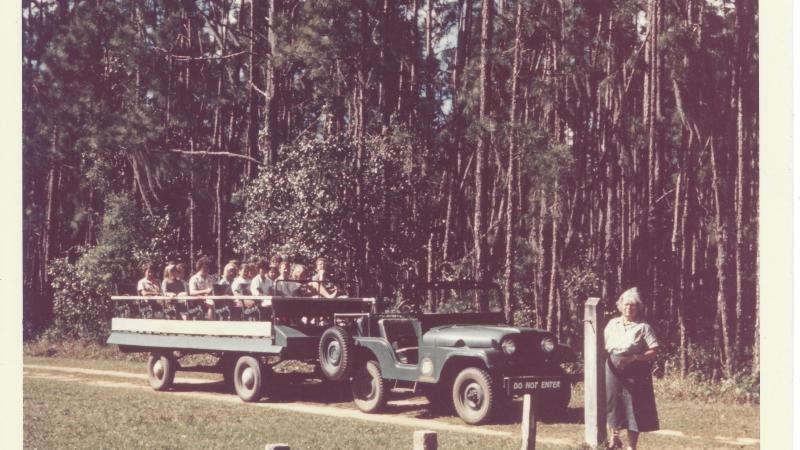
(475, 397)
(336, 352)
(369, 388)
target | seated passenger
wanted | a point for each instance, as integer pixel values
(322, 281)
(228, 277)
(302, 286)
(148, 286)
(274, 263)
(283, 286)
(180, 274)
(202, 283)
(241, 285)
(261, 283)
(171, 286)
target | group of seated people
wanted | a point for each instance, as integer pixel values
(274, 277)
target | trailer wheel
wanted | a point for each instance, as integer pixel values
(369, 388)
(161, 369)
(248, 378)
(474, 395)
(336, 353)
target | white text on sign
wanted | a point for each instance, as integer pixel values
(537, 384)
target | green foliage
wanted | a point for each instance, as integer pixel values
(306, 204)
(81, 306)
(128, 239)
(81, 290)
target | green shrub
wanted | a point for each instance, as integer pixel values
(81, 305)
(81, 289)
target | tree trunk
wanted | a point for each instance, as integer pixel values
(273, 132)
(552, 322)
(511, 184)
(720, 221)
(481, 157)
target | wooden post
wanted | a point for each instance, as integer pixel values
(277, 447)
(425, 440)
(528, 422)
(594, 381)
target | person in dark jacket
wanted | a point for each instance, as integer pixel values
(631, 344)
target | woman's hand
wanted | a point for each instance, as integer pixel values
(626, 359)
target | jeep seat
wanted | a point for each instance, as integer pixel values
(402, 335)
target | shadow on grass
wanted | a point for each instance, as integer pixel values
(298, 387)
(281, 388)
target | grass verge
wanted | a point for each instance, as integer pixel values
(73, 415)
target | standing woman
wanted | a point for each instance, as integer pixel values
(631, 344)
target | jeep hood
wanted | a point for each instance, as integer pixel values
(473, 336)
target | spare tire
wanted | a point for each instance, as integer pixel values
(336, 353)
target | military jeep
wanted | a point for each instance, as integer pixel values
(465, 360)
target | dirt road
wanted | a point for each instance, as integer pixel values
(399, 409)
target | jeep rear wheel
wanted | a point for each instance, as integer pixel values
(369, 388)
(336, 353)
(474, 395)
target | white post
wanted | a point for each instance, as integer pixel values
(594, 381)
(528, 422)
(425, 440)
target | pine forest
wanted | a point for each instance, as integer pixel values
(563, 149)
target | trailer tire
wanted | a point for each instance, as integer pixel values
(161, 367)
(336, 353)
(248, 378)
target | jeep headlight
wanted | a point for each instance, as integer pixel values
(509, 346)
(548, 344)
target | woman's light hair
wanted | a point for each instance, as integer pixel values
(631, 296)
(298, 270)
(168, 272)
(228, 267)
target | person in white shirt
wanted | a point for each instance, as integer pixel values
(241, 284)
(261, 284)
(631, 344)
(148, 286)
(321, 279)
(201, 283)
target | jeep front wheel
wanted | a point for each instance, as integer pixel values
(369, 388)
(474, 395)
